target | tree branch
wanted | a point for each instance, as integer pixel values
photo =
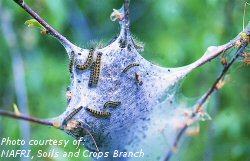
(198, 107)
(50, 30)
(223, 72)
(126, 13)
(26, 118)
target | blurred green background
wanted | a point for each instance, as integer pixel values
(175, 33)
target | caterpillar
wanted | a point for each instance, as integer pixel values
(73, 113)
(98, 113)
(130, 66)
(91, 78)
(137, 79)
(88, 62)
(71, 62)
(97, 68)
(112, 104)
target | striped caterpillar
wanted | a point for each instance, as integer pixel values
(88, 62)
(98, 113)
(129, 67)
(97, 68)
(95, 71)
(72, 114)
(91, 78)
(112, 104)
(71, 62)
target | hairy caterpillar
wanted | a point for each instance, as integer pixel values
(88, 62)
(71, 62)
(91, 78)
(97, 68)
(130, 66)
(112, 104)
(73, 113)
(98, 113)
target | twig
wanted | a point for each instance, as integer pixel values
(126, 18)
(26, 118)
(92, 137)
(50, 30)
(223, 72)
(204, 99)
(126, 13)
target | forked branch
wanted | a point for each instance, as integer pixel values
(50, 30)
(198, 107)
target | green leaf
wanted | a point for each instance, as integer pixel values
(16, 110)
(35, 23)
